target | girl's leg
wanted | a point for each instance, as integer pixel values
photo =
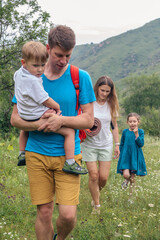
(126, 175)
(93, 181)
(104, 169)
(132, 183)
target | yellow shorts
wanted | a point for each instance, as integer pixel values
(47, 179)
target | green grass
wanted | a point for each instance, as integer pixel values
(119, 219)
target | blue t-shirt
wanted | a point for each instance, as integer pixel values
(62, 91)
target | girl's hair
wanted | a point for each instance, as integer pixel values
(133, 114)
(34, 51)
(112, 97)
(62, 36)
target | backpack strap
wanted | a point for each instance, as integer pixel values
(75, 79)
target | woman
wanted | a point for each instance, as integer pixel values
(99, 148)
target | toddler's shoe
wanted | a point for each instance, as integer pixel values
(125, 184)
(21, 160)
(75, 168)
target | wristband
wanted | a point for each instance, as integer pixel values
(117, 144)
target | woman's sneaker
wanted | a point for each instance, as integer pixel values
(96, 210)
(75, 168)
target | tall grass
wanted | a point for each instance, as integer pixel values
(119, 219)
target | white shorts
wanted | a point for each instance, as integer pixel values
(93, 154)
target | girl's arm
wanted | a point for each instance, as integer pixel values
(140, 139)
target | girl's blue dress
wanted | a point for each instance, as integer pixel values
(131, 155)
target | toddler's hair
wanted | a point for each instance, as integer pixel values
(34, 51)
(133, 114)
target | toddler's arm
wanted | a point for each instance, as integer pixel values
(50, 103)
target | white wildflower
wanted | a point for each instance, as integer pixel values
(151, 205)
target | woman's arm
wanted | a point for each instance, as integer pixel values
(116, 139)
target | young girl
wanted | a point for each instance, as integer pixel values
(131, 161)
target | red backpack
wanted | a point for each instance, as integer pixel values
(75, 79)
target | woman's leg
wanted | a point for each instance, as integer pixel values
(104, 169)
(93, 181)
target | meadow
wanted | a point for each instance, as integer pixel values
(119, 218)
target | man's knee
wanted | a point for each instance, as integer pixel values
(44, 212)
(67, 214)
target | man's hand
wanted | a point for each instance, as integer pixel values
(53, 123)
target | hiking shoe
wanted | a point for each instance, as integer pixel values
(75, 168)
(21, 160)
(55, 236)
(125, 184)
(96, 211)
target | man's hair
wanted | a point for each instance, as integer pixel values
(34, 51)
(62, 36)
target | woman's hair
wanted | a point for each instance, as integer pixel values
(133, 114)
(34, 51)
(111, 98)
(62, 36)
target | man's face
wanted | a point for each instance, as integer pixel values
(58, 58)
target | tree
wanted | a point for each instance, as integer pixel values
(150, 121)
(141, 92)
(20, 21)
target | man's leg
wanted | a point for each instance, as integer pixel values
(43, 225)
(66, 221)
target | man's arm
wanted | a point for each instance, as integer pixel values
(82, 121)
(18, 122)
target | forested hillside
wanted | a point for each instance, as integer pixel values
(135, 51)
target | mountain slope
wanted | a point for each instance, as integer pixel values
(135, 51)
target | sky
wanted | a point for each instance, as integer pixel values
(97, 20)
